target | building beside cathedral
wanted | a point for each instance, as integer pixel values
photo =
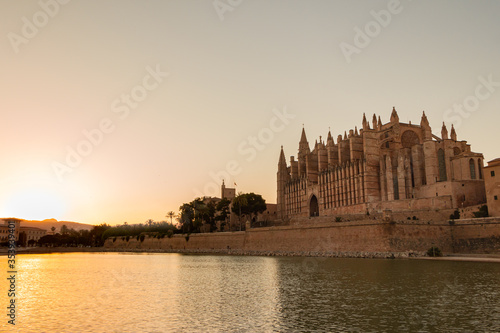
(492, 184)
(396, 166)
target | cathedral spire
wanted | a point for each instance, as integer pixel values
(453, 134)
(365, 123)
(424, 123)
(329, 140)
(374, 121)
(444, 132)
(303, 137)
(356, 130)
(282, 160)
(303, 144)
(379, 127)
(394, 116)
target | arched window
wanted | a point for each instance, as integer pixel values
(479, 168)
(409, 139)
(442, 166)
(313, 207)
(472, 166)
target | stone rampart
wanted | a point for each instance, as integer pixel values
(368, 236)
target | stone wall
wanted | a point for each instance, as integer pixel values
(372, 236)
(209, 241)
(476, 235)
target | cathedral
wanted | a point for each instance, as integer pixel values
(394, 166)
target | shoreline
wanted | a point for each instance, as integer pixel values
(49, 250)
(414, 255)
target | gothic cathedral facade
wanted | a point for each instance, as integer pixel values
(396, 166)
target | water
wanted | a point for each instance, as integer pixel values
(111, 292)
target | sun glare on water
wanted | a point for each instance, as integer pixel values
(34, 204)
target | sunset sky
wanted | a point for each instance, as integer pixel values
(160, 97)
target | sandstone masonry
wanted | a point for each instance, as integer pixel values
(397, 166)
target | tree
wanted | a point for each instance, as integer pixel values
(171, 215)
(209, 215)
(64, 229)
(239, 202)
(200, 212)
(158, 229)
(73, 233)
(195, 213)
(186, 217)
(482, 212)
(222, 211)
(150, 222)
(250, 204)
(96, 234)
(53, 229)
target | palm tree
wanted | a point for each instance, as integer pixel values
(239, 201)
(171, 215)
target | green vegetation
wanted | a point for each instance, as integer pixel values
(99, 233)
(482, 212)
(193, 216)
(200, 211)
(195, 213)
(455, 215)
(338, 219)
(434, 252)
(71, 237)
(135, 230)
(171, 215)
(248, 204)
(223, 211)
(205, 213)
(64, 230)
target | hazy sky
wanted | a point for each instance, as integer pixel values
(93, 129)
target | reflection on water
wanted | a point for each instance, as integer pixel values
(390, 295)
(195, 293)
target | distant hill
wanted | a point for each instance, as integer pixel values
(48, 224)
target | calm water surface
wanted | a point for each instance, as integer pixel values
(81, 292)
